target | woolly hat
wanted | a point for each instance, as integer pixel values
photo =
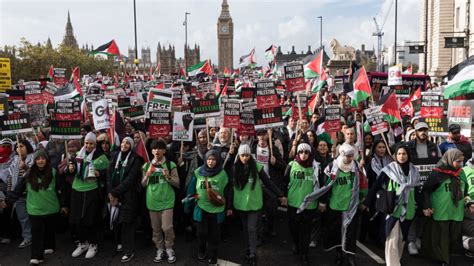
(346, 150)
(244, 149)
(304, 147)
(40, 153)
(130, 141)
(90, 137)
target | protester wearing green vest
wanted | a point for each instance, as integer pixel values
(247, 178)
(88, 196)
(301, 175)
(209, 185)
(43, 203)
(444, 193)
(159, 178)
(399, 177)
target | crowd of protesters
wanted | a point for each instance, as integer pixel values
(336, 189)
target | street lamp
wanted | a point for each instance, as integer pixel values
(185, 24)
(321, 32)
(135, 24)
(395, 47)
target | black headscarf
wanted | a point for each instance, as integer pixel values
(205, 170)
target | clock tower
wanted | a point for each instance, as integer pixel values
(225, 38)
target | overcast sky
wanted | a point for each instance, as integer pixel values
(257, 23)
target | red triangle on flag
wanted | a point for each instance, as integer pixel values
(140, 150)
(390, 107)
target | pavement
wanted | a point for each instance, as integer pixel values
(274, 251)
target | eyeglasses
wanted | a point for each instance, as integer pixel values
(244, 155)
(305, 152)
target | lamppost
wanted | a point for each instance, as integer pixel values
(135, 25)
(321, 32)
(395, 46)
(185, 24)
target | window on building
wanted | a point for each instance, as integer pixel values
(458, 12)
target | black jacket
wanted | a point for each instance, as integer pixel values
(275, 172)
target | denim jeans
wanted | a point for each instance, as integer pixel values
(23, 218)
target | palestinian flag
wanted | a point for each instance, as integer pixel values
(406, 107)
(461, 84)
(226, 72)
(270, 53)
(75, 79)
(220, 92)
(315, 68)
(318, 84)
(248, 60)
(109, 48)
(409, 70)
(116, 131)
(361, 87)
(202, 68)
(140, 150)
(390, 108)
(182, 72)
(50, 74)
(312, 103)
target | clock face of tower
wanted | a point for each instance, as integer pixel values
(224, 29)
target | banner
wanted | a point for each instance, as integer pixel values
(206, 108)
(268, 118)
(332, 114)
(159, 100)
(395, 76)
(68, 110)
(460, 112)
(48, 93)
(294, 77)
(438, 126)
(100, 114)
(432, 105)
(425, 167)
(34, 96)
(5, 74)
(246, 120)
(183, 126)
(232, 110)
(134, 112)
(266, 95)
(375, 118)
(159, 124)
(16, 124)
(65, 130)
(59, 76)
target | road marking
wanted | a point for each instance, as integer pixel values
(370, 253)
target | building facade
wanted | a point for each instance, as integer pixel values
(225, 39)
(166, 58)
(464, 27)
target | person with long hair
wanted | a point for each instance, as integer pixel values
(247, 178)
(124, 176)
(443, 202)
(209, 186)
(301, 175)
(44, 201)
(401, 177)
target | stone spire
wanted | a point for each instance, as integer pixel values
(225, 10)
(69, 39)
(49, 45)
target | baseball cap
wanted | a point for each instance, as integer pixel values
(454, 128)
(421, 125)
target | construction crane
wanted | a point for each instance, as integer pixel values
(378, 32)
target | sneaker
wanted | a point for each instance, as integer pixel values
(6, 241)
(127, 257)
(24, 244)
(312, 244)
(119, 248)
(159, 256)
(35, 261)
(81, 248)
(170, 255)
(418, 243)
(412, 250)
(48, 251)
(91, 251)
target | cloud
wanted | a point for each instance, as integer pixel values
(296, 26)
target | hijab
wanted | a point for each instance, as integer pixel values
(205, 170)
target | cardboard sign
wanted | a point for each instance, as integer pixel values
(59, 76)
(134, 112)
(303, 105)
(15, 124)
(5, 74)
(100, 114)
(460, 112)
(159, 100)
(123, 102)
(232, 110)
(438, 126)
(266, 95)
(65, 130)
(247, 94)
(395, 76)
(183, 126)
(333, 118)
(206, 108)
(34, 96)
(375, 118)
(159, 124)
(294, 77)
(67, 110)
(268, 118)
(177, 97)
(48, 93)
(3, 106)
(432, 105)
(246, 120)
